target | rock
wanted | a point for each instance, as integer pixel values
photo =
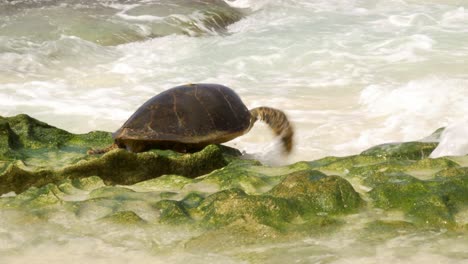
(343, 165)
(238, 234)
(165, 182)
(405, 150)
(32, 141)
(123, 167)
(21, 135)
(315, 192)
(104, 25)
(420, 200)
(396, 166)
(229, 206)
(241, 174)
(172, 212)
(15, 179)
(222, 195)
(124, 218)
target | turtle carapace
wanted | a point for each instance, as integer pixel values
(192, 116)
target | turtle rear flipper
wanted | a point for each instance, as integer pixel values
(278, 121)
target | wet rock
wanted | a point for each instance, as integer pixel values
(193, 200)
(343, 165)
(405, 150)
(164, 182)
(124, 218)
(315, 192)
(236, 235)
(426, 203)
(301, 196)
(239, 174)
(396, 166)
(220, 194)
(172, 212)
(108, 25)
(15, 179)
(21, 135)
(123, 167)
(225, 207)
(32, 142)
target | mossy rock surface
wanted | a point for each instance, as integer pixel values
(27, 145)
(124, 218)
(221, 194)
(404, 150)
(315, 192)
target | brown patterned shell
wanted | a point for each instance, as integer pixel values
(193, 113)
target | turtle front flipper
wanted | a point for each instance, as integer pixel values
(278, 121)
(102, 151)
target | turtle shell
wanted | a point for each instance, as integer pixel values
(192, 114)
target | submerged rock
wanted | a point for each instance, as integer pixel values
(108, 24)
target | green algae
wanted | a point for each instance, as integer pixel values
(172, 212)
(315, 192)
(124, 218)
(229, 206)
(300, 200)
(164, 182)
(244, 174)
(123, 167)
(26, 147)
(404, 150)
(23, 132)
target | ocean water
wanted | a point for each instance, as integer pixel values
(350, 74)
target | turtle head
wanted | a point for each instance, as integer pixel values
(278, 122)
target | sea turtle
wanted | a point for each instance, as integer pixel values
(190, 117)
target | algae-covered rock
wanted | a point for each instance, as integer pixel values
(343, 165)
(123, 167)
(420, 200)
(242, 174)
(24, 132)
(397, 166)
(316, 192)
(226, 197)
(405, 150)
(235, 235)
(164, 182)
(172, 212)
(303, 194)
(124, 218)
(229, 206)
(45, 196)
(192, 200)
(15, 179)
(32, 142)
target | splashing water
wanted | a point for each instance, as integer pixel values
(349, 74)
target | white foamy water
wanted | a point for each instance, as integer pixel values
(350, 74)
